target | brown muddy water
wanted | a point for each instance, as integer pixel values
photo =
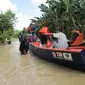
(16, 69)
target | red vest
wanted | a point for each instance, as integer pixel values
(78, 39)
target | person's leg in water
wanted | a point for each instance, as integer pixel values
(21, 48)
(24, 51)
(25, 48)
(28, 40)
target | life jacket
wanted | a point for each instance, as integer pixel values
(78, 39)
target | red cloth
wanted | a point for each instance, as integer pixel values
(48, 45)
(36, 43)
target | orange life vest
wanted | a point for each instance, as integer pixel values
(44, 30)
(78, 39)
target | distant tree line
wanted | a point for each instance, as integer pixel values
(7, 23)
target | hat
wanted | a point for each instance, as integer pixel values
(76, 27)
(44, 30)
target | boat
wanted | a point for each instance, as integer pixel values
(73, 57)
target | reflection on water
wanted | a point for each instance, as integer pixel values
(16, 69)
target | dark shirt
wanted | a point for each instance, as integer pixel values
(75, 35)
(20, 37)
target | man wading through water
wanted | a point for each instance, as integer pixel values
(24, 39)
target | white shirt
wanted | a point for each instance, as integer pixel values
(62, 40)
(55, 45)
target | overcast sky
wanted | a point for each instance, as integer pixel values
(24, 9)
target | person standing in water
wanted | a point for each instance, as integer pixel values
(22, 40)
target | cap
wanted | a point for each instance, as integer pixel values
(76, 27)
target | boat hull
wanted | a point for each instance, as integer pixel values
(74, 58)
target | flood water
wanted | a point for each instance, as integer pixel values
(16, 69)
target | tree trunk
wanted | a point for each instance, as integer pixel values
(9, 42)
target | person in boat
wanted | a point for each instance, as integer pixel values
(77, 37)
(49, 41)
(43, 36)
(54, 42)
(34, 37)
(59, 40)
(31, 30)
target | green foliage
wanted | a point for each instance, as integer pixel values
(62, 14)
(16, 33)
(3, 36)
(9, 34)
(7, 22)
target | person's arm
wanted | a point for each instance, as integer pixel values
(47, 33)
(57, 35)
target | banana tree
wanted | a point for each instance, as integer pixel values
(63, 14)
